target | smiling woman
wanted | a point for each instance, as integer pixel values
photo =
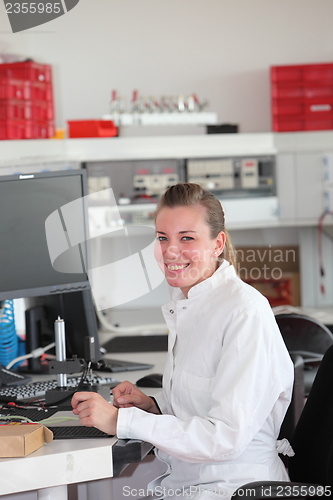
(228, 377)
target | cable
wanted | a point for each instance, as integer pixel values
(57, 420)
(7, 418)
(154, 328)
(36, 353)
(320, 249)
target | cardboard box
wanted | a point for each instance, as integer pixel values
(19, 440)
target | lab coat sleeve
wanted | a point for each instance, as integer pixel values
(254, 372)
(160, 400)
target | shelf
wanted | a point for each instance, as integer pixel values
(142, 119)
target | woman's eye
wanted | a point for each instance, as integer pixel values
(161, 238)
(187, 238)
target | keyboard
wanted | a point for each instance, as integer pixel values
(34, 414)
(9, 377)
(77, 432)
(137, 343)
(37, 390)
(61, 432)
(117, 365)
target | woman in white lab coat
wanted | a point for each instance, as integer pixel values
(228, 376)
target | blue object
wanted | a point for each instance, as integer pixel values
(9, 344)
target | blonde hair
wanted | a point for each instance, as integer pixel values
(186, 194)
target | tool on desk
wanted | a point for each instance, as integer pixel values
(61, 395)
(36, 391)
(60, 340)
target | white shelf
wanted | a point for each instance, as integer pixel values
(142, 119)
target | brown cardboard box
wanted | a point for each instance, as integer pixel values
(19, 440)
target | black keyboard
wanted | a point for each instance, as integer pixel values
(77, 432)
(37, 390)
(9, 378)
(137, 343)
(34, 414)
(117, 365)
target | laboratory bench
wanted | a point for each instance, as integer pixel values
(85, 469)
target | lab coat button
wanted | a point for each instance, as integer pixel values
(184, 307)
(171, 311)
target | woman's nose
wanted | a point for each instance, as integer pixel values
(171, 251)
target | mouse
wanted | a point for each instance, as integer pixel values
(151, 380)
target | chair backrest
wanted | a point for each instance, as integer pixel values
(302, 333)
(312, 440)
(308, 337)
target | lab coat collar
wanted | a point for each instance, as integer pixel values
(224, 271)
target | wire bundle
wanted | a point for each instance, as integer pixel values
(8, 339)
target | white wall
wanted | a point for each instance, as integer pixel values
(220, 49)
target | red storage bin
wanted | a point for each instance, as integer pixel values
(318, 91)
(14, 89)
(42, 110)
(41, 91)
(319, 110)
(27, 70)
(288, 123)
(286, 73)
(26, 101)
(16, 129)
(43, 129)
(287, 91)
(302, 97)
(92, 128)
(318, 124)
(284, 107)
(15, 109)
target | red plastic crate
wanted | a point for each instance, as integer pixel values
(283, 91)
(302, 97)
(43, 129)
(14, 89)
(288, 123)
(42, 110)
(27, 70)
(319, 124)
(318, 91)
(303, 73)
(16, 129)
(91, 128)
(285, 107)
(15, 109)
(319, 110)
(41, 91)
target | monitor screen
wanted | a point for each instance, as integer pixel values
(26, 202)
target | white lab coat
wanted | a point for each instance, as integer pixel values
(226, 388)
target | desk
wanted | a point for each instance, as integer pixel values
(49, 470)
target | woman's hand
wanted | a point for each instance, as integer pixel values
(95, 411)
(126, 395)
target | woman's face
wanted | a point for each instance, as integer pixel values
(185, 250)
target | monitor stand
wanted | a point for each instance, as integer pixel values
(33, 318)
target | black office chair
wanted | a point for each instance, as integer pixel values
(309, 338)
(311, 468)
(297, 401)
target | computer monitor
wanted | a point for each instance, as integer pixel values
(26, 201)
